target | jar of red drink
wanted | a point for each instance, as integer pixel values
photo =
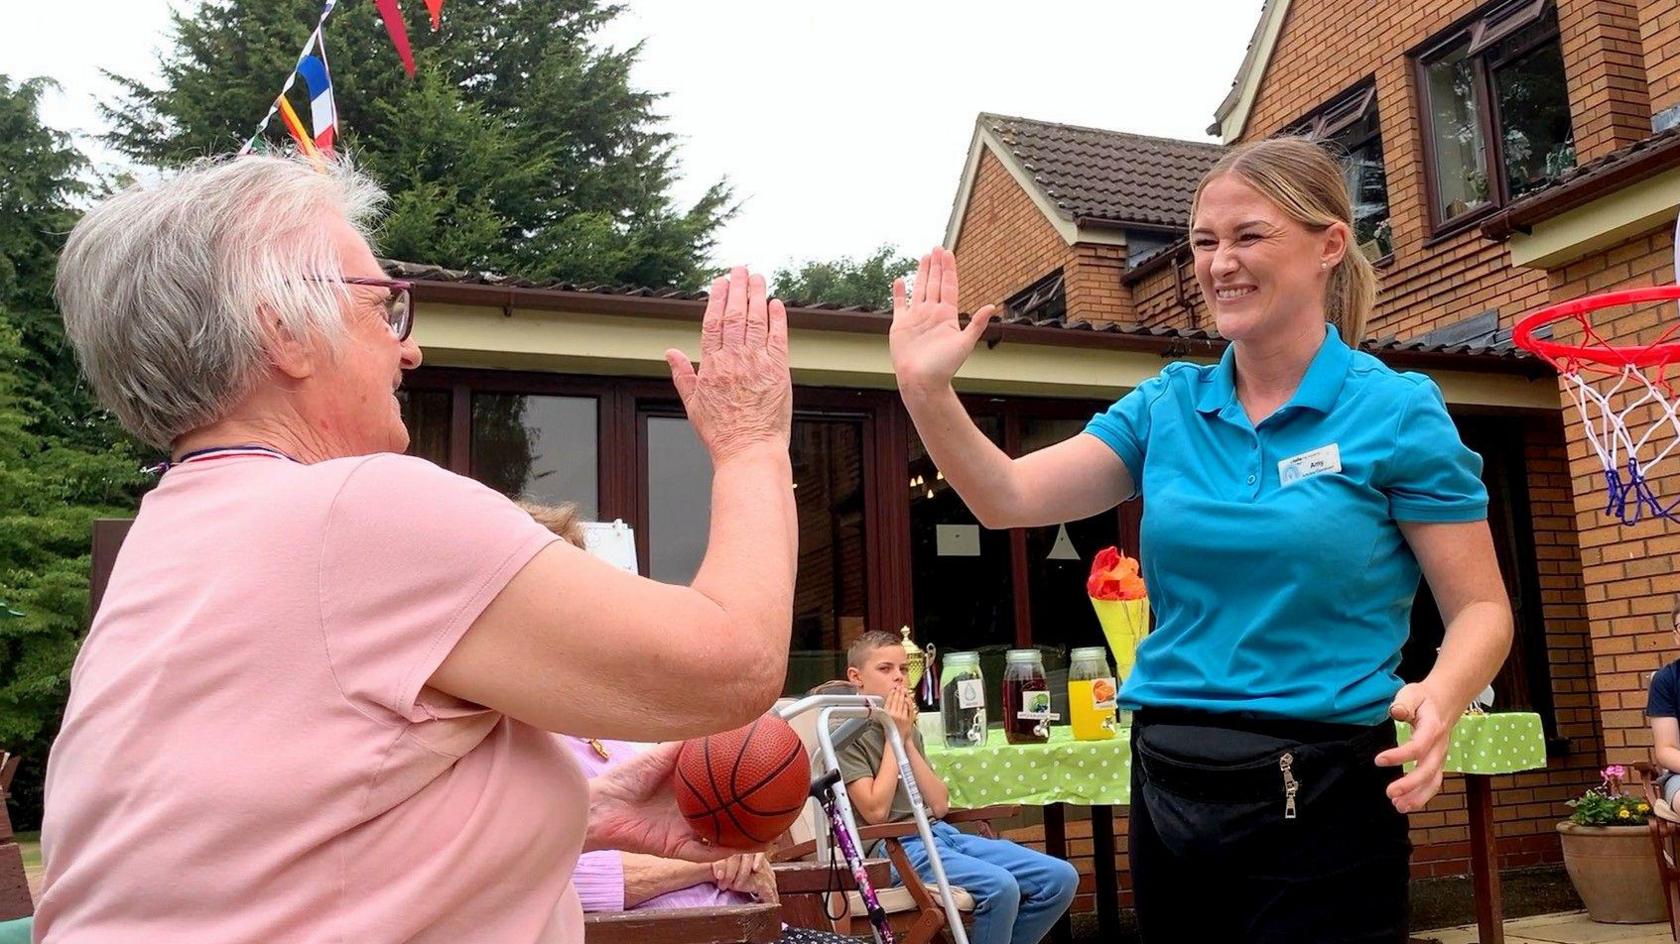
(1026, 698)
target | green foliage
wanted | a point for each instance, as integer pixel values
(1608, 804)
(845, 281)
(63, 461)
(519, 147)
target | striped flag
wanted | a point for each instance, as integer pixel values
(323, 114)
(279, 100)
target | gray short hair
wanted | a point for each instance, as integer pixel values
(160, 285)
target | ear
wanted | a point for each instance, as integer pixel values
(293, 356)
(1337, 240)
(853, 675)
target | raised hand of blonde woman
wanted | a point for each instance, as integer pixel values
(741, 395)
(928, 342)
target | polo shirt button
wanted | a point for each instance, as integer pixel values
(1251, 480)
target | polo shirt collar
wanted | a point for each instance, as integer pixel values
(1319, 387)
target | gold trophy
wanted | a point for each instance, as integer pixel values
(913, 656)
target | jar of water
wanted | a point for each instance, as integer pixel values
(962, 699)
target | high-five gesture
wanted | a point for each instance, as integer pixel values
(741, 395)
(928, 343)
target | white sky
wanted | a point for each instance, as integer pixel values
(840, 126)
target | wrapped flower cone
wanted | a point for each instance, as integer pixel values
(1121, 601)
(1124, 624)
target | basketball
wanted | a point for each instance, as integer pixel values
(743, 788)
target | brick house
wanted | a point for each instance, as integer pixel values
(1502, 155)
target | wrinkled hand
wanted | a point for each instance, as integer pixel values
(749, 874)
(633, 808)
(902, 710)
(928, 344)
(741, 394)
(1432, 725)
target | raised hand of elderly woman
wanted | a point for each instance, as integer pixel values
(740, 395)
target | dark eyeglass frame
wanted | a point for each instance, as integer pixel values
(399, 307)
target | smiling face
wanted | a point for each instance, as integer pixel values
(1261, 271)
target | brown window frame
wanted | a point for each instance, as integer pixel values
(1477, 34)
(1338, 114)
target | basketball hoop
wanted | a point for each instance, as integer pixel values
(1610, 384)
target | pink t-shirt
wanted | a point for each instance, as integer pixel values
(249, 753)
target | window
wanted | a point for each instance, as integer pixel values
(1496, 110)
(1348, 127)
(1043, 301)
(537, 448)
(426, 414)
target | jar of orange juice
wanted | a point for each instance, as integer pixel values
(1091, 694)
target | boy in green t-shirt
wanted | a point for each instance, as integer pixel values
(1018, 893)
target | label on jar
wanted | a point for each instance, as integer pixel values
(1104, 694)
(971, 693)
(1035, 706)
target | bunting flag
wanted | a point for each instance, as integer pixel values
(436, 6)
(392, 15)
(289, 117)
(309, 46)
(323, 114)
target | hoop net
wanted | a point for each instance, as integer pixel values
(1624, 395)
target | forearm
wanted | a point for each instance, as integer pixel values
(752, 554)
(981, 472)
(1476, 644)
(648, 877)
(935, 795)
(1667, 757)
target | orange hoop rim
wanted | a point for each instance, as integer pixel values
(1603, 355)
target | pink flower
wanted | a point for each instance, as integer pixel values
(1615, 772)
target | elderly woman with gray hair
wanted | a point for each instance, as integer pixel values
(318, 702)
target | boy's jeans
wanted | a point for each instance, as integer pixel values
(1018, 893)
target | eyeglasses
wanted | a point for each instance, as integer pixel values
(399, 305)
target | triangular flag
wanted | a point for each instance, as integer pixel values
(392, 15)
(1063, 548)
(436, 6)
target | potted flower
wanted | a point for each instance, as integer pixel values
(1608, 854)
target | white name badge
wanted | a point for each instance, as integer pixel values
(1308, 464)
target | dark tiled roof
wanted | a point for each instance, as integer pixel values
(1107, 176)
(1585, 182)
(1169, 342)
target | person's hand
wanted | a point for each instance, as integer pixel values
(633, 808)
(902, 710)
(927, 342)
(742, 394)
(1432, 725)
(749, 874)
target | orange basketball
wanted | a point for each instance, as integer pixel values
(743, 788)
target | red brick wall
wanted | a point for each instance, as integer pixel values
(1659, 40)
(1630, 573)
(1005, 243)
(1604, 59)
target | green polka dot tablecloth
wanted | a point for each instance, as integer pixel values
(1093, 773)
(1500, 743)
(1083, 773)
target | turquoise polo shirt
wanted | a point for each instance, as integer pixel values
(1280, 582)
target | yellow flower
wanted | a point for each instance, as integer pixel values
(1644, 808)
(1622, 814)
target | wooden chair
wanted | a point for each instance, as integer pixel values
(913, 909)
(738, 924)
(1665, 841)
(15, 901)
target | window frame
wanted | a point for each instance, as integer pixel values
(1477, 35)
(1340, 112)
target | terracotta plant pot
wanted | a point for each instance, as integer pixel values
(1614, 870)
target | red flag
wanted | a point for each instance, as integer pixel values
(389, 12)
(436, 6)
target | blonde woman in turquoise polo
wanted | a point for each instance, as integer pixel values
(1297, 491)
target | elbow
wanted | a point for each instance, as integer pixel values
(742, 689)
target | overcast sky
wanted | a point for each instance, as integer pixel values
(840, 126)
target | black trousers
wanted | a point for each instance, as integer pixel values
(1258, 830)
